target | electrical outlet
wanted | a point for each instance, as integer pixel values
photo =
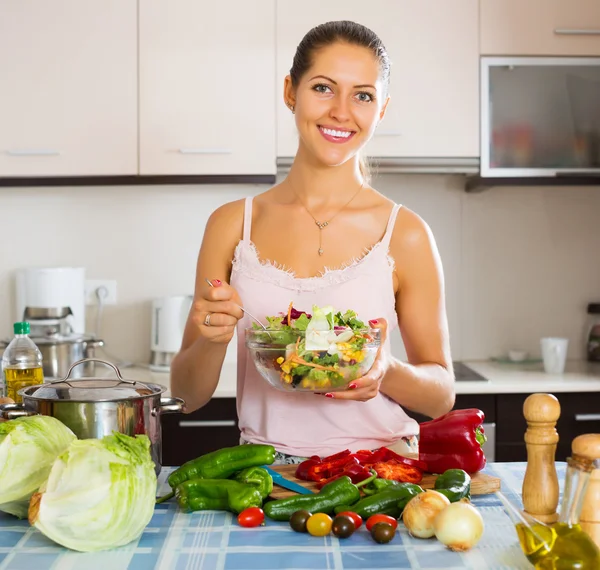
(92, 285)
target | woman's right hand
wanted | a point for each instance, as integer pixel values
(216, 313)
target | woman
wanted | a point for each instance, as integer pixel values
(323, 236)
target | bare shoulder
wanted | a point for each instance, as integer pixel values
(225, 224)
(411, 233)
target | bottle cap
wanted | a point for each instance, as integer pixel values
(21, 328)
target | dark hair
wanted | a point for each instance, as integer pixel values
(343, 31)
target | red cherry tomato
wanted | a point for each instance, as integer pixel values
(374, 519)
(354, 516)
(250, 517)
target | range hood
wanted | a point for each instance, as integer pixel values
(391, 165)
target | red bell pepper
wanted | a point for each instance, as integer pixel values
(355, 471)
(325, 470)
(453, 441)
(302, 469)
(384, 454)
(395, 471)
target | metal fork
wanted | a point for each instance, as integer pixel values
(242, 308)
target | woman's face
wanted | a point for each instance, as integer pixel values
(338, 102)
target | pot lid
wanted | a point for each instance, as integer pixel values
(60, 339)
(90, 390)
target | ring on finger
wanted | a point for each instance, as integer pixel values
(207, 320)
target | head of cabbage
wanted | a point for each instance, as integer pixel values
(28, 448)
(100, 493)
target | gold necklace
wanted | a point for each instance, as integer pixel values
(323, 225)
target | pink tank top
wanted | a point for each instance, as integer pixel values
(301, 423)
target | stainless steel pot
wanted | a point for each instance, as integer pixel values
(95, 407)
(60, 352)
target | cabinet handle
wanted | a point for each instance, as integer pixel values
(587, 417)
(207, 423)
(205, 151)
(33, 152)
(576, 32)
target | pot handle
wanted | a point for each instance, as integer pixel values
(169, 406)
(13, 411)
(83, 360)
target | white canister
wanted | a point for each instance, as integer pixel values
(169, 315)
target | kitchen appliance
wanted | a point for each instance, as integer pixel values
(94, 407)
(169, 315)
(52, 300)
(540, 118)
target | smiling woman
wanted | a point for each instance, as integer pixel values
(324, 236)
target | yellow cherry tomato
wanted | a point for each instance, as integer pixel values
(319, 524)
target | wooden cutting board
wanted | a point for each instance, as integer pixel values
(481, 483)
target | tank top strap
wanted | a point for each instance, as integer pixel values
(387, 237)
(247, 219)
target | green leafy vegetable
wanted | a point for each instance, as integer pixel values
(100, 494)
(28, 448)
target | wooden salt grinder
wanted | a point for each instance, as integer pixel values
(588, 446)
(540, 485)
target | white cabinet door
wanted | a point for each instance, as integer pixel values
(68, 87)
(540, 27)
(207, 93)
(434, 49)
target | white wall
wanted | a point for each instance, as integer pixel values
(520, 263)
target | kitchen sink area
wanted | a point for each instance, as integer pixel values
(464, 373)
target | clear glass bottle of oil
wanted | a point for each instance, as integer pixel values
(563, 545)
(21, 363)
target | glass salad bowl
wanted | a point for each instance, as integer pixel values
(313, 360)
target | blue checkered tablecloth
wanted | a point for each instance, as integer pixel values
(213, 540)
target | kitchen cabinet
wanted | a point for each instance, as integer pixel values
(434, 50)
(187, 436)
(68, 102)
(207, 91)
(540, 27)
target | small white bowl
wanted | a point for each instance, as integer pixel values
(517, 355)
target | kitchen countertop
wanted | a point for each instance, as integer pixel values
(212, 540)
(514, 378)
(509, 378)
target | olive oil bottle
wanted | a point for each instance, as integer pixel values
(21, 363)
(563, 545)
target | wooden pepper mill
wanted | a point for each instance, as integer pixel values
(540, 485)
(588, 446)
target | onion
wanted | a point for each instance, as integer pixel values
(420, 512)
(459, 526)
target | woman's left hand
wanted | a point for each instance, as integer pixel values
(367, 387)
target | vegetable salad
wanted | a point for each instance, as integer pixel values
(323, 350)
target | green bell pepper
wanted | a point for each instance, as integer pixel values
(223, 463)
(391, 501)
(454, 484)
(257, 477)
(217, 495)
(338, 492)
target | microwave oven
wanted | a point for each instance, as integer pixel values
(540, 117)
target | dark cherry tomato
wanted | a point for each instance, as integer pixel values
(374, 519)
(252, 516)
(342, 526)
(382, 532)
(298, 520)
(354, 516)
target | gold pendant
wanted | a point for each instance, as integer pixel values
(320, 251)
